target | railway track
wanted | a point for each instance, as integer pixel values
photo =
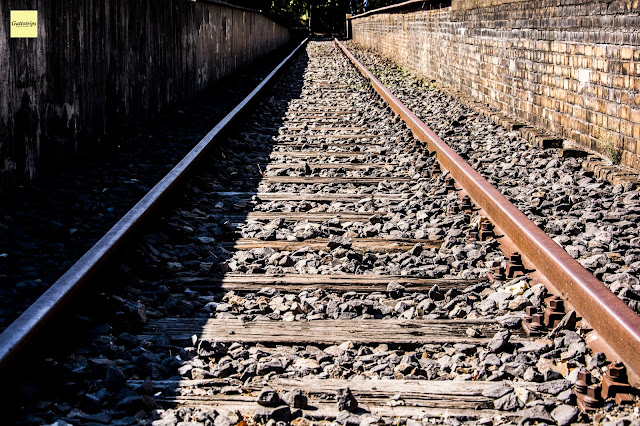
(320, 265)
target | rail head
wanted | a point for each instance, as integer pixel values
(18, 334)
(610, 317)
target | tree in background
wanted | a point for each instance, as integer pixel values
(319, 16)
(291, 13)
(360, 6)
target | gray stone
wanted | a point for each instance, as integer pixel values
(565, 414)
(497, 391)
(168, 419)
(465, 348)
(207, 348)
(492, 359)
(598, 359)
(278, 414)
(535, 348)
(114, 378)
(223, 420)
(499, 342)
(296, 399)
(550, 374)
(617, 422)
(345, 400)
(346, 418)
(395, 289)
(269, 398)
(135, 403)
(554, 387)
(532, 375)
(510, 322)
(485, 305)
(508, 402)
(199, 374)
(565, 395)
(274, 365)
(535, 414)
(568, 321)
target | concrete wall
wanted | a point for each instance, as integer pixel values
(98, 63)
(570, 67)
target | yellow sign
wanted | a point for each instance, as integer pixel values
(24, 23)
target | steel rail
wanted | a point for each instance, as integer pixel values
(609, 316)
(34, 318)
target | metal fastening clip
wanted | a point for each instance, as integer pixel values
(615, 384)
(497, 274)
(589, 401)
(515, 266)
(532, 323)
(450, 184)
(466, 204)
(554, 312)
(583, 382)
(486, 230)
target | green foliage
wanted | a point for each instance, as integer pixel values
(613, 153)
(291, 13)
(607, 142)
(358, 6)
(320, 16)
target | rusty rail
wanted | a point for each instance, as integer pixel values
(27, 325)
(611, 318)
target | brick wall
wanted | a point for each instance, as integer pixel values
(97, 64)
(569, 67)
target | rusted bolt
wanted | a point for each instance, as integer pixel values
(554, 312)
(515, 266)
(556, 304)
(533, 323)
(435, 170)
(615, 383)
(583, 382)
(617, 371)
(537, 322)
(486, 231)
(453, 209)
(588, 401)
(472, 236)
(466, 204)
(497, 274)
(450, 184)
(591, 398)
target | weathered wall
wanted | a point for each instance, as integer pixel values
(571, 67)
(98, 63)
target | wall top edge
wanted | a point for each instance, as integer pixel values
(242, 8)
(411, 5)
(477, 4)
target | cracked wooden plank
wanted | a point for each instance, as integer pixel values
(377, 245)
(325, 332)
(333, 283)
